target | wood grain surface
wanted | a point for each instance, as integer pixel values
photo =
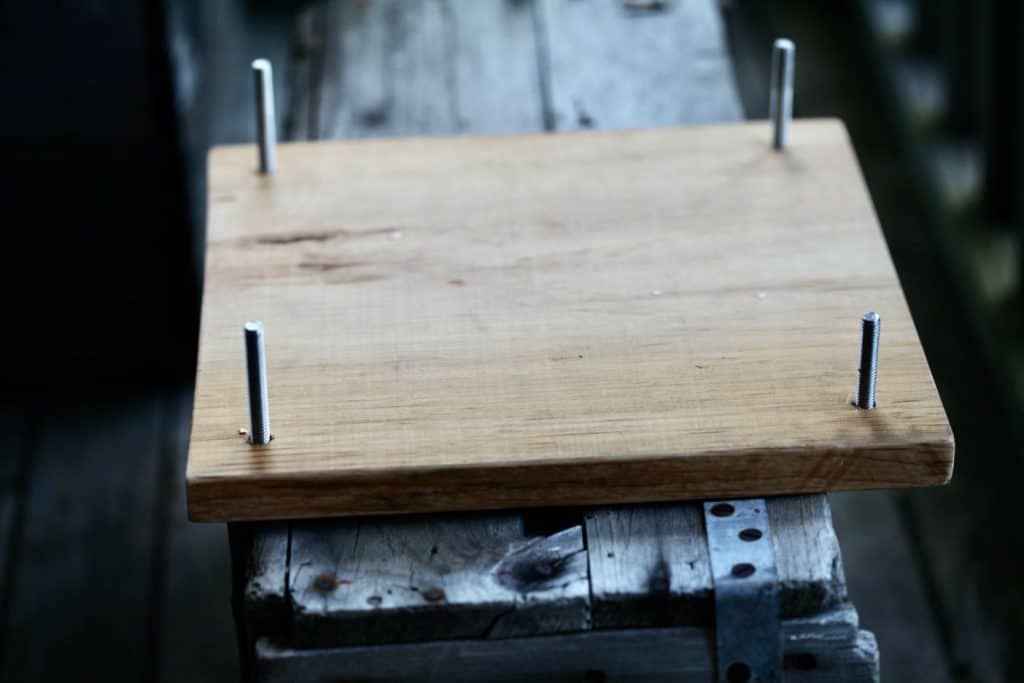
(491, 322)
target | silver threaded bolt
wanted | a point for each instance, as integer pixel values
(870, 328)
(256, 371)
(780, 102)
(266, 121)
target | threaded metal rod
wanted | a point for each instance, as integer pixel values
(256, 371)
(870, 328)
(780, 102)
(266, 123)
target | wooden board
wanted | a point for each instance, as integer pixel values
(480, 323)
(498, 575)
(827, 647)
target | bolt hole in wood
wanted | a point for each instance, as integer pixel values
(743, 570)
(737, 672)
(750, 535)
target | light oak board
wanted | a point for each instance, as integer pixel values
(489, 322)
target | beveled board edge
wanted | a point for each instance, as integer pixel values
(673, 477)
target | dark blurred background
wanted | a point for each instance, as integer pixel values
(108, 109)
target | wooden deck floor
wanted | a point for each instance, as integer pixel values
(102, 575)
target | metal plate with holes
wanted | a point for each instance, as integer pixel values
(746, 590)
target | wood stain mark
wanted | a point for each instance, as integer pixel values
(321, 236)
(324, 266)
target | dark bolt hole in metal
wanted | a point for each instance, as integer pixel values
(750, 535)
(743, 570)
(722, 509)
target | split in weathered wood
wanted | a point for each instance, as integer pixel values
(649, 563)
(476, 576)
(648, 566)
(265, 605)
(825, 648)
(611, 67)
(807, 555)
(392, 580)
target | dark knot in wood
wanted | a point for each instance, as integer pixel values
(324, 583)
(538, 566)
(434, 594)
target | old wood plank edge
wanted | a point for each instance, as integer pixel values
(366, 581)
(828, 647)
(263, 605)
(347, 581)
(649, 563)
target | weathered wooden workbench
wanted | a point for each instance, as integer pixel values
(626, 590)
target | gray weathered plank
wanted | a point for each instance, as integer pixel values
(649, 564)
(392, 580)
(615, 67)
(824, 648)
(428, 67)
(265, 607)
(807, 555)
(77, 546)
